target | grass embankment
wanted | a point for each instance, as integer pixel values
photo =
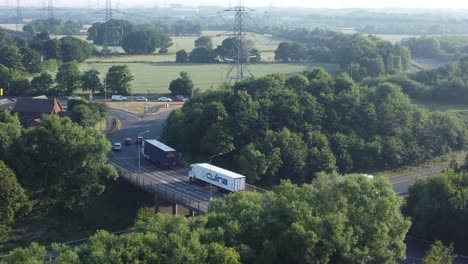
(461, 110)
(114, 210)
(431, 165)
(154, 78)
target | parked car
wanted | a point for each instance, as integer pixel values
(164, 99)
(117, 146)
(119, 98)
(127, 141)
(141, 99)
(71, 97)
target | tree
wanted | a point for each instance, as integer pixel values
(255, 55)
(68, 78)
(182, 85)
(10, 56)
(282, 52)
(202, 55)
(20, 86)
(111, 32)
(118, 79)
(10, 132)
(90, 81)
(329, 221)
(439, 254)
(226, 50)
(181, 56)
(42, 84)
(204, 41)
(33, 254)
(438, 208)
(13, 199)
(79, 169)
(140, 42)
(218, 253)
(74, 49)
(30, 60)
(52, 49)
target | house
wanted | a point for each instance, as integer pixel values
(31, 110)
(6, 105)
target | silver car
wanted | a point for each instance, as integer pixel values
(117, 146)
(164, 99)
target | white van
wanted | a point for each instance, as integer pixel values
(119, 98)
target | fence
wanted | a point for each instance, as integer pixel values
(164, 192)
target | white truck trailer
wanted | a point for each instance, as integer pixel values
(217, 176)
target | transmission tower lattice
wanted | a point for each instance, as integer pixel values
(19, 16)
(108, 10)
(238, 63)
(50, 10)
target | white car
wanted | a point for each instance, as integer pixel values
(71, 97)
(119, 98)
(141, 99)
(117, 146)
(164, 99)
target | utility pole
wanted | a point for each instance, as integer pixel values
(211, 174)
(19, 16)
(50, 10)
(108, 11)
(239, 61)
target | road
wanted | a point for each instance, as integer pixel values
(402, 183)
(175, 180)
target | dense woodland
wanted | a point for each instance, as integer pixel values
(357, 54)
(54, 168)
(438, 207)
(444, 48)
(328, 221)
(447, 84)
(275, 127)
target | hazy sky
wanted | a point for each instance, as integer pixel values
(453, 4)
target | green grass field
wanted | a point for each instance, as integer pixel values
(154, 72)
(154, 78)
(264, 44)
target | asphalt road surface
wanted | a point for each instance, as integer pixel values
(175, 179)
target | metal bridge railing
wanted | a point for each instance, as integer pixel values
(252, 188)
(162, 191)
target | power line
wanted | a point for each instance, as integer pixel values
(239, 61)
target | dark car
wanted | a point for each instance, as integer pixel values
(127, 141)
(178, 99)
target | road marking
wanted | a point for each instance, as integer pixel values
(409, 180)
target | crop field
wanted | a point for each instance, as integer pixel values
(154, 78)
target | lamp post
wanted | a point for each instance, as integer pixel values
(139, 150)
(215, 155)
